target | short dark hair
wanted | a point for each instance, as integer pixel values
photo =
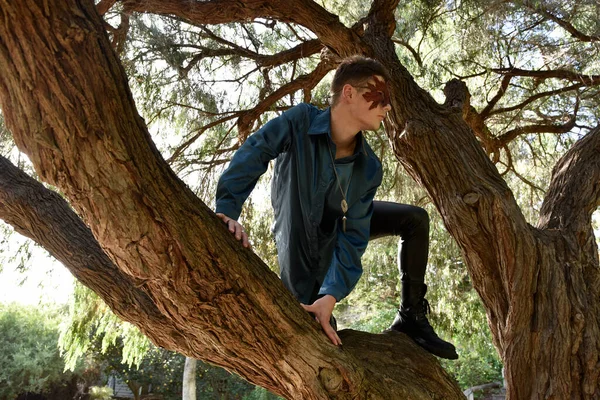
(355, 70)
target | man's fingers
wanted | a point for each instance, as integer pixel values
(308, 308)
(222, 216)
(327, 328)
(331, 333)
(236, 228)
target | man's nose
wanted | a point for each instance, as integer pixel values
(387, 107)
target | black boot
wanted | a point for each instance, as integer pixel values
(412, 320)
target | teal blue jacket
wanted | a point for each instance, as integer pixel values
(312, 262)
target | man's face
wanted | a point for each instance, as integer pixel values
(373, 102)
(378, 93)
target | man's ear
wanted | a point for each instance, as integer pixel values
(347, 92)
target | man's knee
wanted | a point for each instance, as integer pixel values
(420, 217)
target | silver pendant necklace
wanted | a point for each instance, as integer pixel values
(344, 203)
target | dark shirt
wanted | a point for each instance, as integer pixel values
(312, 261)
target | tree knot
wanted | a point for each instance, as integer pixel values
(332, 379)
(471, 198)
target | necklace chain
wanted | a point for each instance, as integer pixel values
(344, 203)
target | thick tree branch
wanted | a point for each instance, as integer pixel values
(325, 25)
(43, 216)
(384, 12)
(104, 5)
(458, 99)
(574, 192)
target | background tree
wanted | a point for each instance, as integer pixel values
(93, 332)
(30, 361)
(513, 266)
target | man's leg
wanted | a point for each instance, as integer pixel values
(412, 225)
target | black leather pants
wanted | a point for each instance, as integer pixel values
(411, 223)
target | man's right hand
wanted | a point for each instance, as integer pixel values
(236, 228)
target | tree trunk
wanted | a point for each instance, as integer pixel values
(194, 289)
(540, 286)
(189, 379)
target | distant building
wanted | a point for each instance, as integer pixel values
(120, 388)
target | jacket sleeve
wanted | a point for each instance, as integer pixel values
(346, 267)
(251, 160)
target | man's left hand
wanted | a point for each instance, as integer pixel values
(322, 309)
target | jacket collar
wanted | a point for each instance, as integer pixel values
(322, 125)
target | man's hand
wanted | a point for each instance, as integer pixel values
(236, 228)
(322, 308)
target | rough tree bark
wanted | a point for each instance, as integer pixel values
(540, 286)
(180, 276)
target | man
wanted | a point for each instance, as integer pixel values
(324, 182)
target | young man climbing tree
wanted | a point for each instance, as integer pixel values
(324, 182)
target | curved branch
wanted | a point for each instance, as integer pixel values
(587, 80)
(412, 50)
(308, 81)
(43, 216)
(325, 25)
(562, 23)
(503, 86)
(304, 49)
(574, 192)
(534, 98)
(191, 140)
(509, 136)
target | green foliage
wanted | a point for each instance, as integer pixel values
(100, 393)
(260, 394)
(15, 250)
(90, 320)
(91, 331)
(475, 366)
(162, 370)
(30, 360)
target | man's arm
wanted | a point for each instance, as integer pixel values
(249, 162)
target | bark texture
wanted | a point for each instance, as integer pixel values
(539, 285)
(66, 101)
